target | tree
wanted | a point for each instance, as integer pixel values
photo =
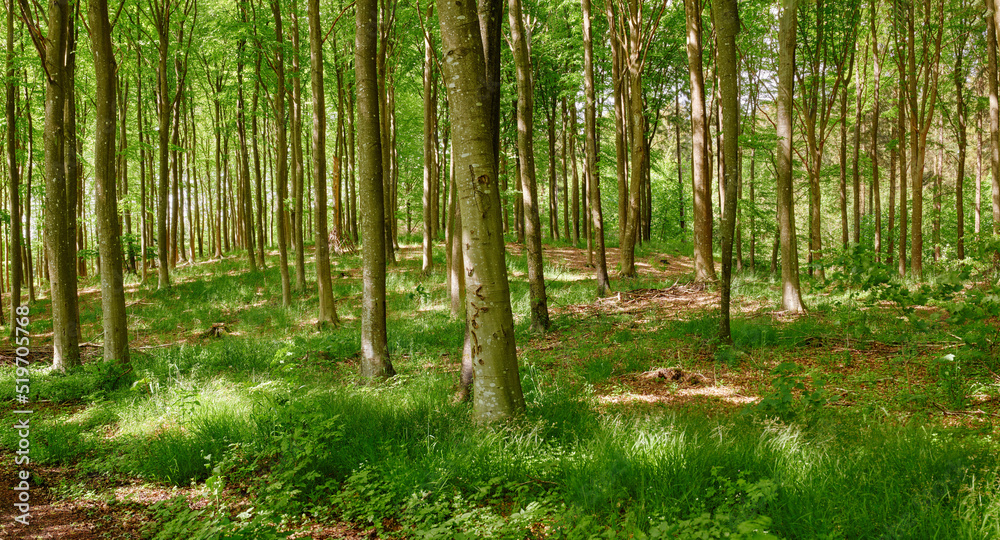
(921, 101)
(430, 153)
(497, 387)
(704, 263)
(246, 205)
(61, 243)
(593, 183)
(105, 194)
(791, 296)
(526, 154)
(375, 361)
(324, 282)
(727, 23)
(281, 153)
(13, 168)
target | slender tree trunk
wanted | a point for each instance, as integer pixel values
(593, 187)
(727, 25)
(258, 180)
(246, 198)
(704, 263)
(993, 31)
(298, 168)
(526, 153)
(575, 209)
(791, 296)
(374, 345)
(430, 153)
(637, 137)
(15, 250)
(855, 173)
(324, 282)
(281, 157)
(105, 196)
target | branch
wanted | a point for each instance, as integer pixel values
(342, 13)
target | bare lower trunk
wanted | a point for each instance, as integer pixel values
(497, 386)
(374, 346)
(105, 195)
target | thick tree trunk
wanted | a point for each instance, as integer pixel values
(497, 392)
(375, 362)
(61, 252)
(526, 153)
(105, 195)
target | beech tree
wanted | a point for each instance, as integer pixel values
(497, 386)
(324, 282)
(704, 262)
(727, 23)
(526, 154)
(593, 184)
(375, 361)
(105, 193)
(791, 295)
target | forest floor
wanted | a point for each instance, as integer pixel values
(644, 351)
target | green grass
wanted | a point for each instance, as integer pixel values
(277, 410)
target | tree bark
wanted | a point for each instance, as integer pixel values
(704, 263)
(430, 153)
(105, 194)
(727, 24)
(61, 243)
(791, 296)
(16, 264)
(281, 156)
(324, 282)
(526, 153)
(593, 182)
(375, 363)
(298, 167)
(497, 388)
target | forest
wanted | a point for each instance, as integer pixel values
(563, 269)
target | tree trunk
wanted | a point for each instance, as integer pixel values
(246, 197)
(281, 157)
(704, 264)
(61, 252)
(593, 187)
(727, 24)
(526, 153)
(298, 168)
(430, 153)
(324, 282)
(13, 171)
(637, 137)
(791, 296)
(497, 392)
(105, 195)
(374, 346)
